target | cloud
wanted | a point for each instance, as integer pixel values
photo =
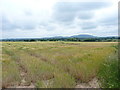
(108, 16)
(42, 19)
(68, 11)
(88, 25)
(111, 19)
(28, 13)
(85, 15)
(79, 6)
(7, 24)
(11, 25)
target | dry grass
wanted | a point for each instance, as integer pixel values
(54, 64)
(10, 72)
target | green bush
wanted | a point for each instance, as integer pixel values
(108, 74)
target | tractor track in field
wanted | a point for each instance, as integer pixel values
(94, 83)
(39, 56)
(24, 84)
(23, 74)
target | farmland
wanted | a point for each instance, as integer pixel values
(55, 64)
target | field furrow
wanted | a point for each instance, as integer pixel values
(53, 64)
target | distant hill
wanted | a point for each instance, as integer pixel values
(83, 36)
(75, 36)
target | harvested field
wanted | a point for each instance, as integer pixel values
(53, 64)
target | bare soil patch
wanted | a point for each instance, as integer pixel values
(91, 84)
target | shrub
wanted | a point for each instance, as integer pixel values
(108, 74)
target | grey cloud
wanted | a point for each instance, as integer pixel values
(28, 13)
(68, 11)
(64, 16)
(86, 15)
(26, 24)
(8, 25)
(108, 20)
(79, 6)
(88, 25)
(49, 26)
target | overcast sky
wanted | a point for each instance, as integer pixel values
(46, 18)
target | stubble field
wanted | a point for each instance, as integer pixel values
(55, 64)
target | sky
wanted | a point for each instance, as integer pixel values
(48, 18)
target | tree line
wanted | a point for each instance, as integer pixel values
(100, 39)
